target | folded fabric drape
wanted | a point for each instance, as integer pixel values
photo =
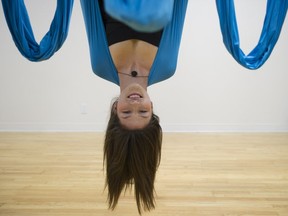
(19, 25)
(275, 15)
(141, 15)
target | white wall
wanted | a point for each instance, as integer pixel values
(209, 92)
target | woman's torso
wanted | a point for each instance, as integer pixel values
(132, 55)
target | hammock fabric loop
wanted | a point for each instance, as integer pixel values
(20, 28)
(275, 15)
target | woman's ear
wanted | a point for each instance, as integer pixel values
(114, 107)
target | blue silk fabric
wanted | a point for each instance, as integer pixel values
(19, 25)
(274, 18)
(165, 62)
(141, 15)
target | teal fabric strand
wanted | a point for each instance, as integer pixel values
(19, 25)
(275, 15)
(141, 15)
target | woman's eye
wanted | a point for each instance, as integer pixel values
(143, 111)
(126, 112)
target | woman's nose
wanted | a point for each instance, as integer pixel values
(134, 102)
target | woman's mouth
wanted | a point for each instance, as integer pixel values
(135, 96)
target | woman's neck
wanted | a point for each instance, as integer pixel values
(126, 78)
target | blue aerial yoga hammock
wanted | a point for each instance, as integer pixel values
(154, 16)
(19, 25)
(274, 18)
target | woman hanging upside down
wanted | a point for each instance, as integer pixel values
(133, 60)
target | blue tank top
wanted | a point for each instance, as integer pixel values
(165, 61)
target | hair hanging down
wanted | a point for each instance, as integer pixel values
(132, 157)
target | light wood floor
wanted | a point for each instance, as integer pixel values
(61, 174)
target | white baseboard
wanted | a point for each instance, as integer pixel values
(225, 128)
(52, 127)
(100, 127)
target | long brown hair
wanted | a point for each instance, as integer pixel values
(132, 158)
